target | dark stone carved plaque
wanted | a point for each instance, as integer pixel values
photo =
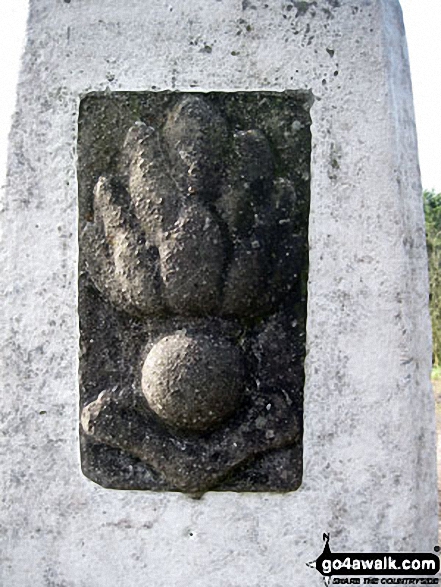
(193, 263)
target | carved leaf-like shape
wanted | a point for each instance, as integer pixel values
(196, 138)
(119, 261)
(192, 259)
(198, 232)
(155, 197)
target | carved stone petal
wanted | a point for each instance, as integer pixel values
(192, 260)
(156, 199)
(246, 290)
(196, 138)
(246, 194)
(122, 265)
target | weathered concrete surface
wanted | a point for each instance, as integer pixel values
(369, 440)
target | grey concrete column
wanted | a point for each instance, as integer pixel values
(369, 475)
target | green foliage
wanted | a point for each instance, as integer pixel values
(432, 210)
(436, 376)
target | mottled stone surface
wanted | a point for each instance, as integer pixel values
(193, 381)
(193, 250)
(369, 474)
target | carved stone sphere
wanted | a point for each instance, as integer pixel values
(193, 381)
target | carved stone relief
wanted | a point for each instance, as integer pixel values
(193, 263)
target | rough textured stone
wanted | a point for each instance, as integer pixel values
(193, 382)
(197, 243)
(369, 439)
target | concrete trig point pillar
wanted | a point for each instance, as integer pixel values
(175, 291)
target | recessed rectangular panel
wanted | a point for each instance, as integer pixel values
(192, 289)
